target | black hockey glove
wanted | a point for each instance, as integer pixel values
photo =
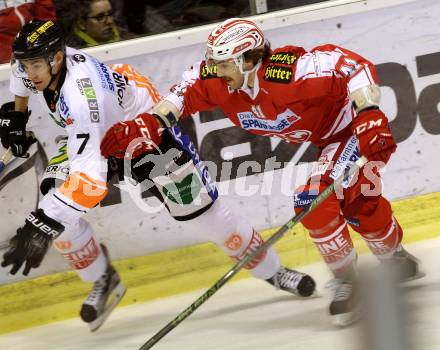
(31, 242)
(13, 130)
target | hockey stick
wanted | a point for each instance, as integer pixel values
(7, 156)
(33, 160)
(5, 159)
(248, 258)
(4, 245)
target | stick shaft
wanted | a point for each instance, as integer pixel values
(5, 159)
(248, 258)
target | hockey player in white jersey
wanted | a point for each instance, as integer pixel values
(86, 97)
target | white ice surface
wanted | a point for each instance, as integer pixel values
(247, 314)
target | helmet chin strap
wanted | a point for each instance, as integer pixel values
(53, 76)
(247, 74)
(51, 63)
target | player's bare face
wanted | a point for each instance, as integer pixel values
(38, 71)
(229, 72)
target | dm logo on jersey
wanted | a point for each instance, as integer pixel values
(92, 102)
(250, 121)
(283, 57)
(278, 74)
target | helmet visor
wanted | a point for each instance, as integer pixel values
(226, 66)
(29, 67)
(17, 68)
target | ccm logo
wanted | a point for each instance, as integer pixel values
(145, 132)
(368, 125)
(5, 122)
(42, 226)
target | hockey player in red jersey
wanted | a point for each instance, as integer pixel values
(329, 96)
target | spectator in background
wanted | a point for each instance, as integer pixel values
(95, 25)
(14, 14)
(87, 22)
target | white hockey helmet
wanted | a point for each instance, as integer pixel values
(232, 38)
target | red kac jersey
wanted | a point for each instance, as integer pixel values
(298, 96)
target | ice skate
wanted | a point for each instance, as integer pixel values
(293, 282)
(345, 306)
(406, 265)
(106, 294)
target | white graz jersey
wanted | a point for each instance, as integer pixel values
(93, 97)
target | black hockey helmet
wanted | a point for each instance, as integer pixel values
(38, 39)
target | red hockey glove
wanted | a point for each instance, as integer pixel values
(118, 138)
(373, 133)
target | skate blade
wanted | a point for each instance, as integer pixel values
(314, 295)
(114, 299)
(417, 276)
(346, 319)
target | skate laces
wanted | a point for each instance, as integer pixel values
(99, 288)
(285, 278)
(400, 255)
(341, 288)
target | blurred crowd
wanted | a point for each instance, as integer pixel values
(93, 22)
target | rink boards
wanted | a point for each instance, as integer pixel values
(59, 296)
(407, 61)
(402, 40)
